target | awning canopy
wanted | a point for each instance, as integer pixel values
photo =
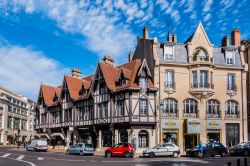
(58, 134)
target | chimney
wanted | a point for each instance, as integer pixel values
(225, 41)
(76, 73)
(235, 35)
(170, 37)
(145, 32)
(130, 56)
(175, 38)
(108, 60)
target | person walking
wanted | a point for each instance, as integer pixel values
(201, 150)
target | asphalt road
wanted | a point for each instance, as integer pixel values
(10, 157)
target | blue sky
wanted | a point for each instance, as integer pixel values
(41, 40)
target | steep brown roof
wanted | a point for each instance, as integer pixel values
(74, 85)
(49, 93)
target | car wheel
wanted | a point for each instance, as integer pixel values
(127, 155)
(81, 153)
(175, 154)
(67, 153)
(223, 154)
(245, 153)
(108, 155)
(151, 154)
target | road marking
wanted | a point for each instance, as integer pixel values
(6, 155)
(20, 157)
(40, 158)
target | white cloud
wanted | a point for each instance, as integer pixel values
(189, 6)
(207, 6)
(22, 69)
(100, 32)
(207, 17)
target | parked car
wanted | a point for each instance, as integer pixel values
(122, 149)
(37, 145)
(81, 148)
(242, 148)
(215, 148)
(165, 149)
(193, 152)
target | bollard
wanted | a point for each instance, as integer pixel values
(245, 161)
(229, 163)
(238, 162)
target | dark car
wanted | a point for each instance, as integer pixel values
(192, 152)
(242, 148)
(122, 149)
(215, 148)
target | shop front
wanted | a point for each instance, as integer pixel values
(232, 134)
(213, 130)
(170, 131)
(192, 134)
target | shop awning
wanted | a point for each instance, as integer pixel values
(58, 134)
(45, 134)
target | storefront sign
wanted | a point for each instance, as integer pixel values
(170, 123)
(213, 124)
(135, 118)
(193, 126)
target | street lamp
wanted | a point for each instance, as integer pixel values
(18, 134)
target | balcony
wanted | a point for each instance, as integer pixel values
(171, 114)
(191, 115)
(169, 87)
(201, 90)
(210, 114)
(232, 90)
(229, 114)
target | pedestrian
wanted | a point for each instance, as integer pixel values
(24, 144)
(201, 149)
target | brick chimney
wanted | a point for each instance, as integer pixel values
(225, 41)
(130, 56)
(235, 35)
(108, 60)
(170, 37)
(76, 73)
(174, 39)
(145, 32)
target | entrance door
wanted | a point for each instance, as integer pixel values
(124, 136)
(107, 139)
(232, 134)
(191, 140)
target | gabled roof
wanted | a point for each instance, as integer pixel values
(130, 71)
(48, 93)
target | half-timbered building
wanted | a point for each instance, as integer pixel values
(116, 104)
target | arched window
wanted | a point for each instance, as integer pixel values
(170, 107)
(143, 138)
(232, 108)
(213, 109)
(200, 55)
(191, 108)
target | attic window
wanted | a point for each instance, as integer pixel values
(168, 52)
(143, 81)
(82, 91)
(200, 55)
(122, 82)
(230, 60)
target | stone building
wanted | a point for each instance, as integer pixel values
(202, 88)
(115, 104)
(16, 112)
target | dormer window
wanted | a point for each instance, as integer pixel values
(122, 82)
(230, 57)
(143, 81)
(200, 55)
(168, 52)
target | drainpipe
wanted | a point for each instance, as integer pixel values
(242, 114)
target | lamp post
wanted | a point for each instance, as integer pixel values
(160, 114)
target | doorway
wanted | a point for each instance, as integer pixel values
(123, 136)
(191, 140)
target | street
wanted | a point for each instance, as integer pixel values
(12, 157)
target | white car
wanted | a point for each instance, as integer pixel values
(164, 149)
(37, 145)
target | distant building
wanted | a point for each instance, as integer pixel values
(202, 88)
(16, 112)
(116, 104)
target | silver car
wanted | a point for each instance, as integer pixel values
(164, 149)
(81, 148)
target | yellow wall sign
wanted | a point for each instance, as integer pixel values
(170, 123)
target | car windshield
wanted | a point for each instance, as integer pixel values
(157, 146)
(88, 145)
(117, 146)
(242, 144)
